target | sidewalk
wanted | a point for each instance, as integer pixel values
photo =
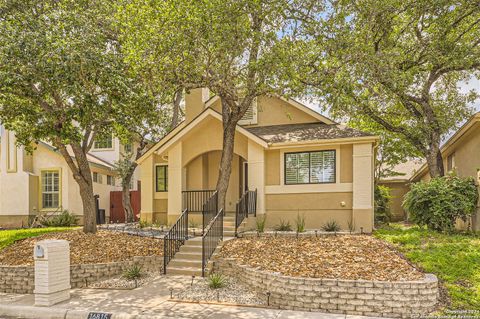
(148, 302)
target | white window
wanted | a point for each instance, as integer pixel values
(251, 116)
(310, 167)
(104, 143)
(50, 183)
(110, 180)
(97, 177)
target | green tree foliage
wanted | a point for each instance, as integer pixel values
(63, 80)
(226, 46)
(382, 199)
(439, 203)
(397, 62)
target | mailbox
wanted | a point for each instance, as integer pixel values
(52, 272)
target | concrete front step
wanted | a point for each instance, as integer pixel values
(185, 263)
(191, 248)
(184, 271)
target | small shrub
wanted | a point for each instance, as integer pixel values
(351, 226)
(331, 226)
(382, 198)
(65, 219)
(260, 223)
(144, 223)
(283, 226)
(133, 272)
(300, 223)
(192, 223)
(216, 281)
(439, 203)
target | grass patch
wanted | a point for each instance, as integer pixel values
(454, 258)
(8, 237)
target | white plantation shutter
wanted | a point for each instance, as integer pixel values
(250, 117)
(310, 167)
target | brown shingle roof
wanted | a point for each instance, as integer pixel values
(304, 132)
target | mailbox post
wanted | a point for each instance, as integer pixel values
(52, 272)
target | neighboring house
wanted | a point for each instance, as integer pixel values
(399, 186)
(42, 183)
(461, 154)
(300, 162)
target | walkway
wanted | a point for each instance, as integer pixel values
(148, 302)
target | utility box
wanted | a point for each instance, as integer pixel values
(52, 272)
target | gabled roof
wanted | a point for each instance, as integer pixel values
(452, 141)
(290, 101)
(175, 135)
(295, 133)
(92, 159)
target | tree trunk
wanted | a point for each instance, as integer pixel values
(435, 162)
(82, 174)
(225, 168)
(89, 208)
(176, 108)
(127, 204)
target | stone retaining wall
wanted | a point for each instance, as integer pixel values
(21, 279)
(400, 299)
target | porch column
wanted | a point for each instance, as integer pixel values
(147, 177)
(175, 181)
(256, 173)
(363, 186)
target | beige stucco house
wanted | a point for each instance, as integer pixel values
(461, 154)
(300, 163)
(42, 183)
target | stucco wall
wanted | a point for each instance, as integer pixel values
(397, 191)
(275, 111)
(402, 299)
(317, 208)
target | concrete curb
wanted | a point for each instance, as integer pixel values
(31, 312)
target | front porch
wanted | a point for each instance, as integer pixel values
(183, 173)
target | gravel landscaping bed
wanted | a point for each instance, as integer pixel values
(136, 230)
(102, 247)
(233, 292)
(120, 282)
(342, 257)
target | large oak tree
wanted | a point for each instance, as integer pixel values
(396, 63)
(63, 80)
(228, 46)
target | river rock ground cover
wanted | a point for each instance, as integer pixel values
(102, 247)
(349, 257)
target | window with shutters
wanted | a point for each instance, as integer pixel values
(250, 117)
(310, 167)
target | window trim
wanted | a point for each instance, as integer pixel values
(40, 189)
(309, 169)
(165, 178)
(95, 149)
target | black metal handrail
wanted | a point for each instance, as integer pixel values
(210, 209)
(194, 200)
(246, 205)
(175, 238)
(211, 237)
